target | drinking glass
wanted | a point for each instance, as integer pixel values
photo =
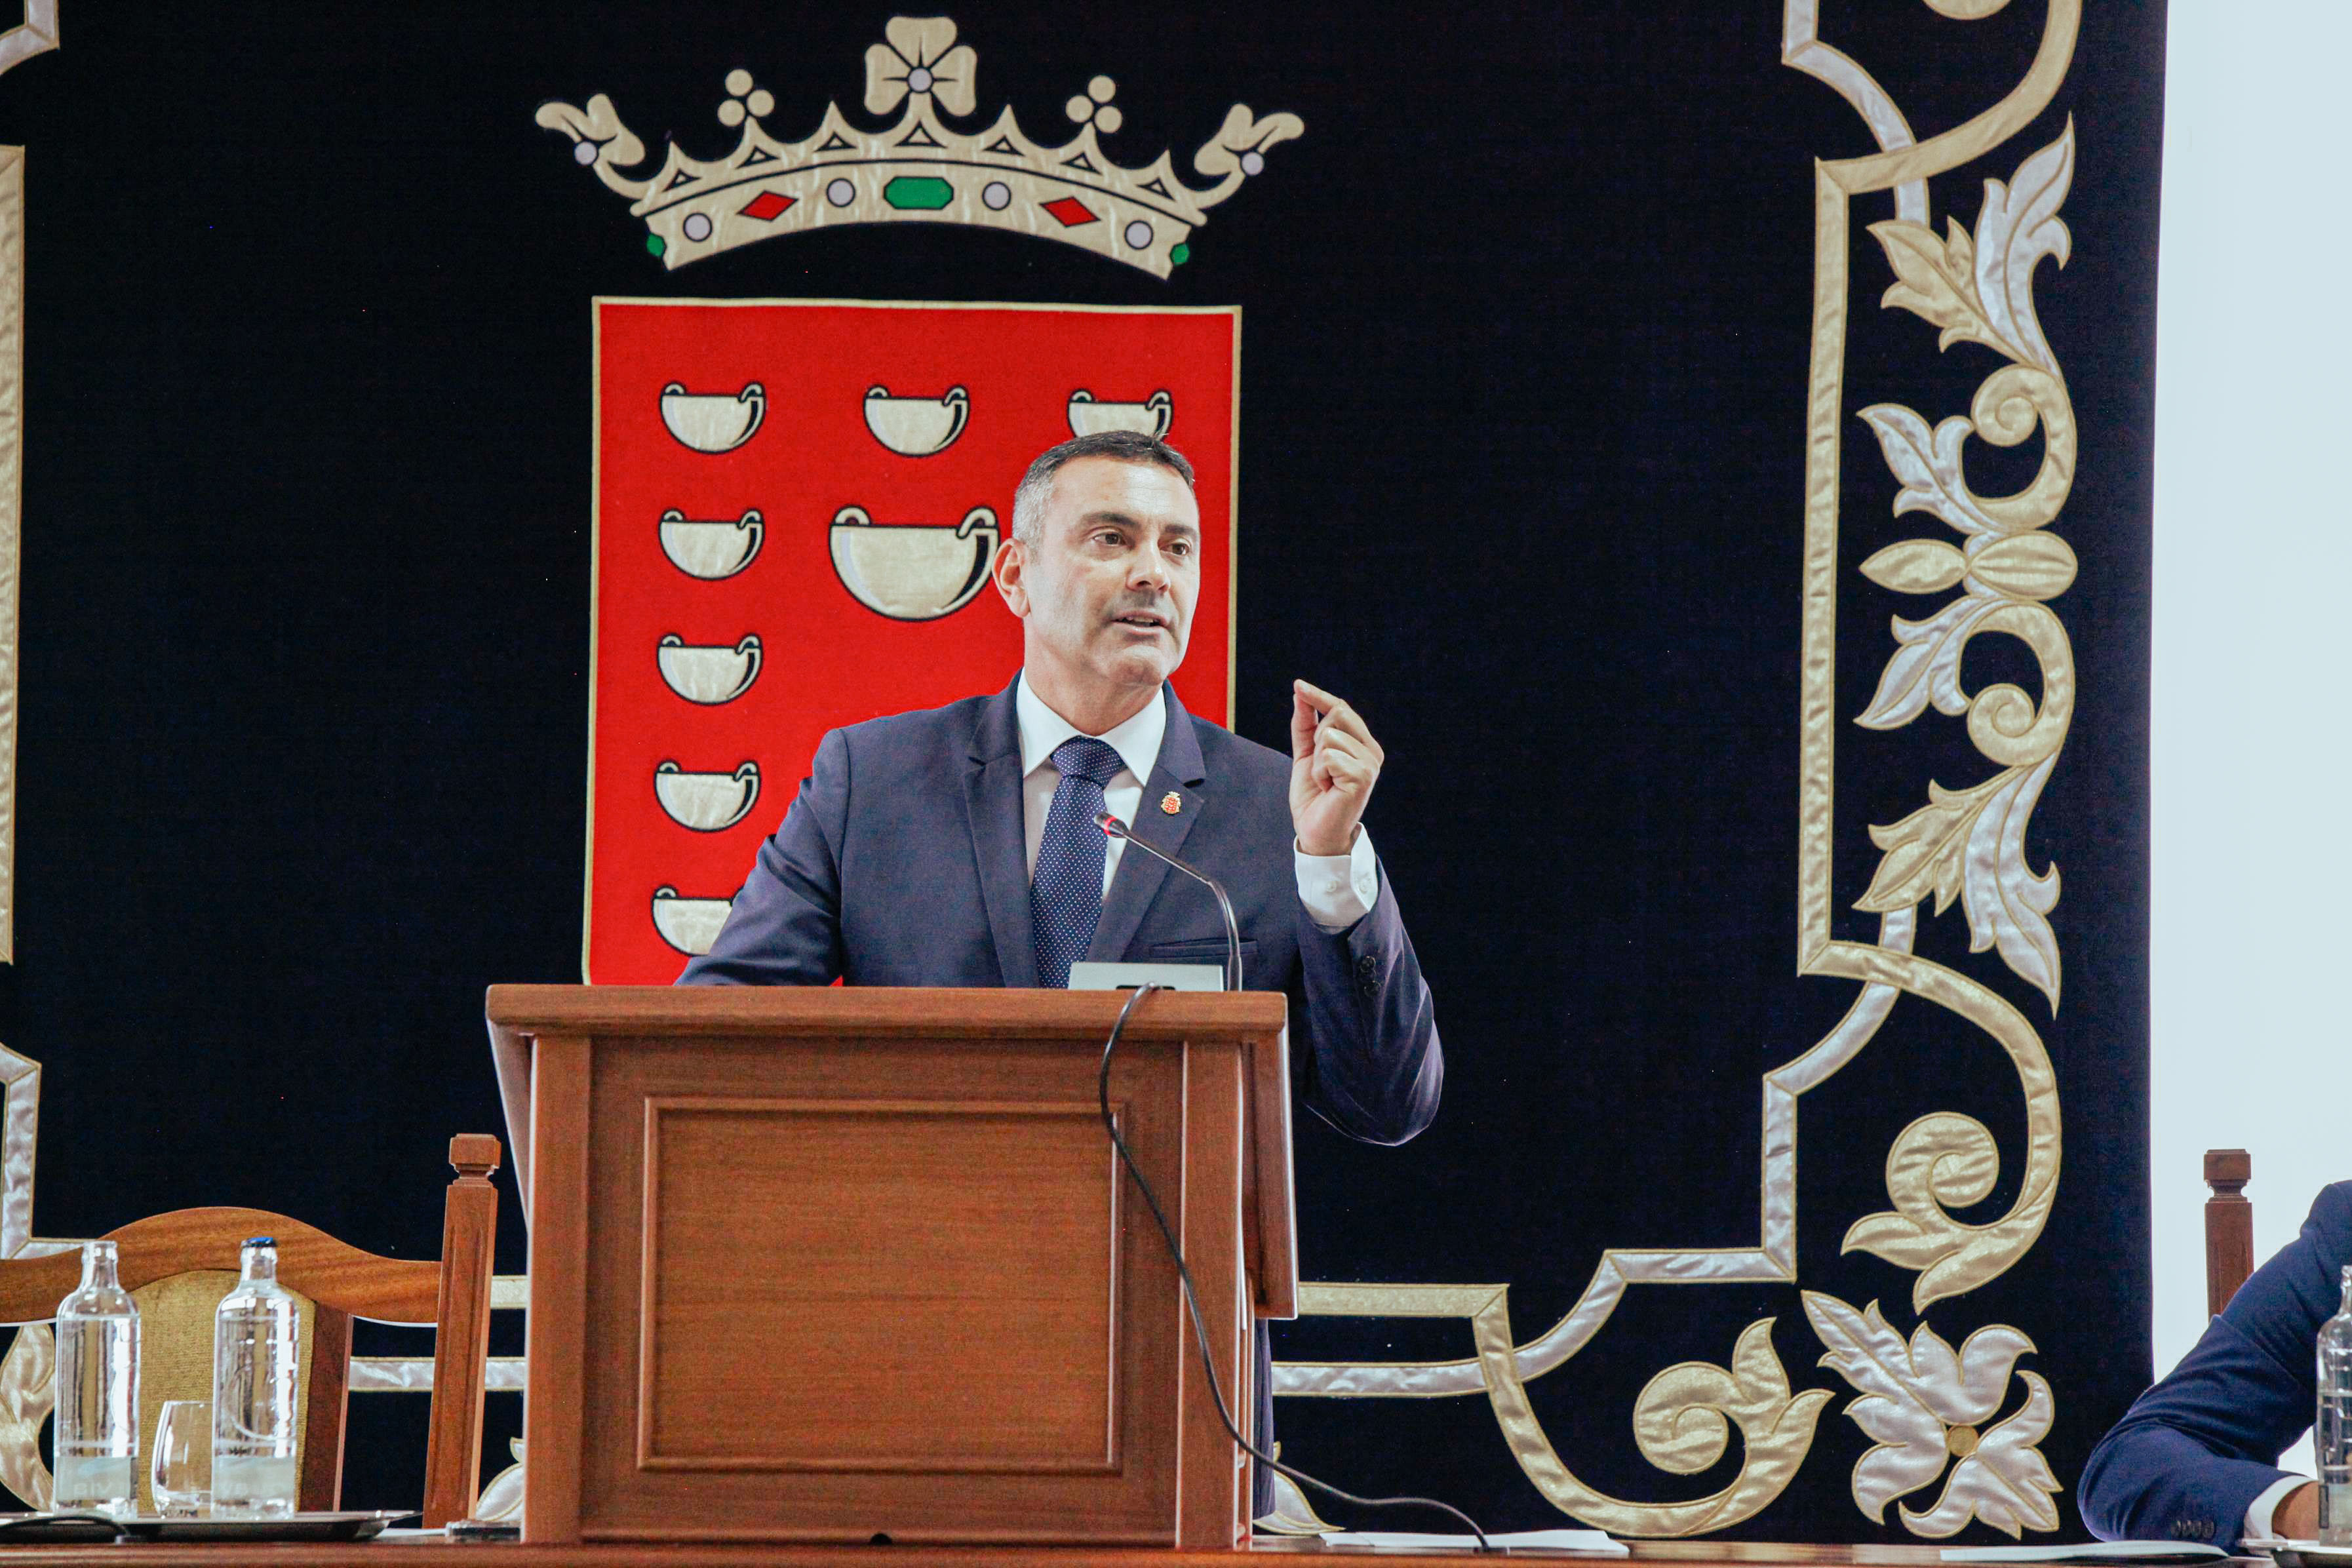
(182, 1474)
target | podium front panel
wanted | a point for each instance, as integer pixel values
(824, 1276)
(948, 1261)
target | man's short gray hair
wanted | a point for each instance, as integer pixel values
(1037, 487)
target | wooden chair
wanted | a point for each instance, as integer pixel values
(178, 1266)
(2229, 1226)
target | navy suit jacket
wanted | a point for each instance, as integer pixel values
(2194, 1451)
(903, 862)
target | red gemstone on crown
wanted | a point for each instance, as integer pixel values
(768, 205)
(1070, 212)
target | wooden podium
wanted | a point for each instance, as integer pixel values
(824, 1265)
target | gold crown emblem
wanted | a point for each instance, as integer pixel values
(919, 170)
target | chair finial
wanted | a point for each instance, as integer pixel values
(2228, 1170)
(474, 1154)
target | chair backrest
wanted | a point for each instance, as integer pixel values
(2229, 1226)
(173, 1263)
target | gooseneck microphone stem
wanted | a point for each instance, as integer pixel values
(1114, 829)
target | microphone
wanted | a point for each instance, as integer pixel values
(1114, 829)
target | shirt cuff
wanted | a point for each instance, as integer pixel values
(2258, 1511)
(1338, 890)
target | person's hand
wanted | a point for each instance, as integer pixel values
(2297, 1518)
(1334, 763)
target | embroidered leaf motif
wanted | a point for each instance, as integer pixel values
(2007, 903)
(1910, 1449)
(1926, 668)
(2018, 225)
(1972, 842)
(2034, 565)
(1928, 464)
(1916, 566)
(1927, 851)
(1935, 280)
(2006, 1482)
(1982, 291)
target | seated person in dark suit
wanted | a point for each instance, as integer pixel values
(2193, 1457)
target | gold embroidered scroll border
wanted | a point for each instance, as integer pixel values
(36, 34)
(1941, 1161)
(24, 1376)
(12, 427)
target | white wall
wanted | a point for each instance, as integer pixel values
(2252, 947)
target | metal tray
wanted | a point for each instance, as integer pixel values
(148, 1527)
(2303, 1554)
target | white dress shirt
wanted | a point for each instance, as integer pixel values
(2264, 1507)
(1338, 890)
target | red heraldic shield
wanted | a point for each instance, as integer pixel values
(796, 506)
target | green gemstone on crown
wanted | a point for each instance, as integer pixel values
(1180, 254)
(655, 245)
(918, 193)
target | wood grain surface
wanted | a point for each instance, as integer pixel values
(433, 1552)
(1213, 1511)
(746, 1217)
(461, 1344)
(330, 1273)
(976, 1015)
(957, 1256)
(820, 1265)
(559, 1290)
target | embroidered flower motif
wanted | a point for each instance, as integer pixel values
(1094, 106)
(1926, 1406)
(921, 58)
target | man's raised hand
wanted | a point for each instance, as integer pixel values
(1334, 763)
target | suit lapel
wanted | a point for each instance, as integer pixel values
(991, 800)
(1177, 771)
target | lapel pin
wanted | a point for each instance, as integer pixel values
(1172, 803)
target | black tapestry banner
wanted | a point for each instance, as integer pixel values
(1710, 443)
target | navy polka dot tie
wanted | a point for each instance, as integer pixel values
(1065, 892)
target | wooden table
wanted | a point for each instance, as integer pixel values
(414, 1553)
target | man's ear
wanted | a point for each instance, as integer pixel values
(1009, 569)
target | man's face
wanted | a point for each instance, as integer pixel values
(1106, 595)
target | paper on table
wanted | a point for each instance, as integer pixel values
(1591, 1541)
(2090, 1551)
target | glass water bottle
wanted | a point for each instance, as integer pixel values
(2332, 1434)
(98, 1390)
(254, 1474)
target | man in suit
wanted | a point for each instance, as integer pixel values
(956, 845)
(2192, 1460)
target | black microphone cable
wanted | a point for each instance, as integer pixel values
(1200, 1327)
